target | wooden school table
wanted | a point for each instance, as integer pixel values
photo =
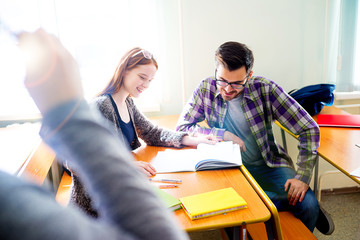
(337, 146)
(203, 181)
(260, 209)
(273, 225)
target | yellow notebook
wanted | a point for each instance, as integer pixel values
(212, 203)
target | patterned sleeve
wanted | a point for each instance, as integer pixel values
(153, 134)
(194, 113)
(294, 117)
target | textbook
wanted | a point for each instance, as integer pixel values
(170, 201)
(338, 120)
(205, 157)
(212, 203)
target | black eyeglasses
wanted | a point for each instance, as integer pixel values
(235, 85)
(145, 53)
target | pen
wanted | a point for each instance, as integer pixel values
(168, 186)
(357, 144)
(166, 180)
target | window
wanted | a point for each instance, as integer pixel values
(96, 32)
(343, 45)
(357, 52)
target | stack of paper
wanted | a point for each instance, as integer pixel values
(356, 173)
(17, 141)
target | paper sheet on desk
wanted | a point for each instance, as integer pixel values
(355, 173)
(17, 141)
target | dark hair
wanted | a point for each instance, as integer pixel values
(234, 55)
(130, 60)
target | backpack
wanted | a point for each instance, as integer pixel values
(314, 97)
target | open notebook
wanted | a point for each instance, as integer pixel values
(205, 157)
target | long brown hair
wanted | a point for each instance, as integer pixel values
(130, 60)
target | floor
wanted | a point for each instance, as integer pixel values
(345, 212)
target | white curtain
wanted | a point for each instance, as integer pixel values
(343, 45)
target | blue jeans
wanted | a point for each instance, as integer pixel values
(272, 181)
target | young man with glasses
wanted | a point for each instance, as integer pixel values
(242, 108)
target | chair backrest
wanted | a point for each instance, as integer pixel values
(269, 204)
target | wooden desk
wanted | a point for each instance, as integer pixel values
(337, 146)
(204, 181)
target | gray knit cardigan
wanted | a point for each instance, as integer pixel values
(144, 128)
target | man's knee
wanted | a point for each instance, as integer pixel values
(310, 204)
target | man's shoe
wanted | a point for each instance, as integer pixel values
(324, 223)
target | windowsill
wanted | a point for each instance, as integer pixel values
(11, 119)
(34, 116)
(347, 95)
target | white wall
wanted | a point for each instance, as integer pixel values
(286, 37)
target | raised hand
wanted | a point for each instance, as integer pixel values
(52, 74)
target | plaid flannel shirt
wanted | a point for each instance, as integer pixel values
(264, 102)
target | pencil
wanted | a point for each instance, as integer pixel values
(168, 186)
(166, 180)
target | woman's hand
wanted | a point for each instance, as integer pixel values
(146, 168)
(195, 140)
